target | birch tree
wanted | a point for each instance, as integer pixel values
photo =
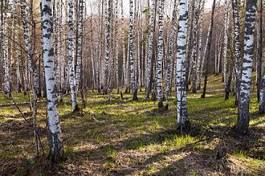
(108, 12)
(70, 56)
(260, 53)
(191, 9)
(54, 129)
(171, 47)
(160, 56)
(200, 51)
(131, 53)
(237, 51)
(124, 70)
(6, 63)
(150, 45)
(116, 44)
(79, 38)
(4, 50)
(225, 47)
(182, 114)
(245, 85)
(195, 46)
(25, 13)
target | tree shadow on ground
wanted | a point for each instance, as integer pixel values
(201, 160)
(13, 130)
(109, 130)
(205, 161)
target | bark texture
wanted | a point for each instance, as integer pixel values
(181, 95)
(54, 128)
(245, 85)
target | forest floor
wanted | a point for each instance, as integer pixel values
(122, 137)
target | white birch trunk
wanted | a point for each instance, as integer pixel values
(200, 51)
(116, 45)
(236, 24)
(107, 53)
(260, 55)
(171, 47)
(149, 50)
(160, 55)
(70, 55)
(195, 47)
(181, 94)
(245, 85)
(225, 47)
(6, 62)
(79, 45)
(25, 13)
(202, 65)
(131, 53)
(124, 70)
(55, 138)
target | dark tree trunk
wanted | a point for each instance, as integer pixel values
(208, 45)
(259, 50)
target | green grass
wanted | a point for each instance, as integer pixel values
(122, 137)
(247, 161)
(18, 97)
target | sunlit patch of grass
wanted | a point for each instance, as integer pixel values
(170, 142)
(179, 141)
(193, 173)
(64, 109)
(11, 111)
(8, 111)
(152, 169)
(257, 121)
(254, 105)
(68, 151)
(240, 154)
(110, 152)
(18, 98)
(154, 126)
(251, 163)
